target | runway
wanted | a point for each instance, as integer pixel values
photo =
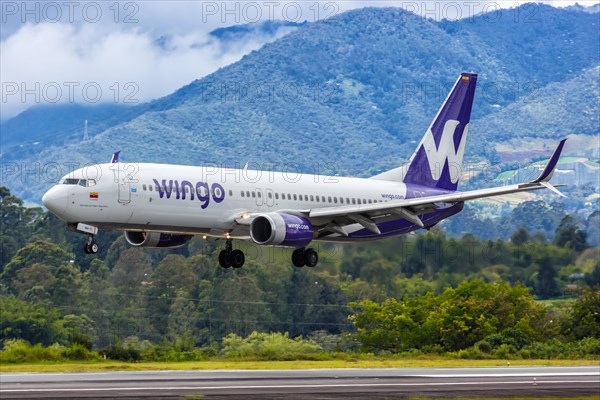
(389, 383)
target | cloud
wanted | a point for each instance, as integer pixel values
(127, 51)
(61, 63)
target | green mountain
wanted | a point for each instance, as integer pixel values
(349, 95)
(530, 126)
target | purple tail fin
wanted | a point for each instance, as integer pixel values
(437, 162)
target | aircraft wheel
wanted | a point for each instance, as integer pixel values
(237, 258)
(224, 259)
(311, 257)
(87, 248)
(298, 258)
(94, 248)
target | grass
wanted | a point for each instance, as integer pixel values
(99, 366)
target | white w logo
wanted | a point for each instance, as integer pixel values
(437, 156)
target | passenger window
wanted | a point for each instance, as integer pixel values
(295, 198)
(342, 200)
(347, 200)
(150, 187)
(144, 187)
(329, 198)
(335, 200)
(242, 193)
(358, 201)
(289, 196)
(230, 192)
(276, 196)
(312, 198)
(253, 194)
(270, 195)
(247, 193)
(258, 194)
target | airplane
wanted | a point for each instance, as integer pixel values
(164, 206)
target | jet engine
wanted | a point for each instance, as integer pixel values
(281, 229)
(156, 239)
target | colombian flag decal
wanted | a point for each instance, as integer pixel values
(93, 195)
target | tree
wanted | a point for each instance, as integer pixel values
(172, 278)
(569, 236)
(584, 320)
(520, 237)
(33, 322)
(40, 251)
(33, 282)
(546, 285)
(17, 225)
(455, 319)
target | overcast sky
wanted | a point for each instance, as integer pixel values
(97, 52)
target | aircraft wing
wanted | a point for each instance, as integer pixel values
(369, 214)
(333, 219)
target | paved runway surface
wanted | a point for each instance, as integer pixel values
(389, 383)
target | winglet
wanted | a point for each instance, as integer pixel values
(549, 170)
(115, 157)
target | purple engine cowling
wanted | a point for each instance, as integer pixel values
(281, 230)
(156, 239)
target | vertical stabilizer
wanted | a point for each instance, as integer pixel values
(437, 162)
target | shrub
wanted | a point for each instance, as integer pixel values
(121, 353)
(588, 347)
(78, 351)
(18, 351)
(484, 346)
(269, 346)
(549, 350)
(505, 351)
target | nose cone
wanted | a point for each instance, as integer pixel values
(55, 199)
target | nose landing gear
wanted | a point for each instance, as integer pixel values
(231, 258)
(91, 247)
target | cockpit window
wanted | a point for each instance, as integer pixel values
(80, 182)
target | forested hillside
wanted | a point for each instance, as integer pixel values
(133, 303)
(360, 88)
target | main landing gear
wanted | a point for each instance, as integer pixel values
(231, 258)
(235, 258)
(302, 257)
(91, 247)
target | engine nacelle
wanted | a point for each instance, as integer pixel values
(156, 239)
(281, 230)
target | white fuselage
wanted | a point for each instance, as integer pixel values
(201, 200)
